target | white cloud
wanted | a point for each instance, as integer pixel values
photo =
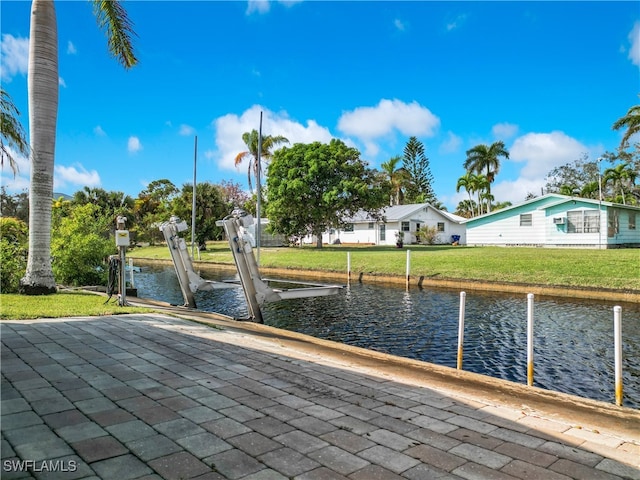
(14, 56)
(134, 145)
(368, 123)
(61, 82)
(186, 130)
(634, 49)
(229, 129)
(98, 131)
(71, 48)
(542, 152)
(451, 144)
(504, 131)
(399, 24)
(75, 175)
(264, 6)
(456, 23)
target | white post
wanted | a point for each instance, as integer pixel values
(530, 339)
(408, 265)
(617, 338)
(131, 272)
(463, 295)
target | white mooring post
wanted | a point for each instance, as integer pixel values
(617, 338)
(408, 266)
(463, 295)
(530, 339)
(348, 267)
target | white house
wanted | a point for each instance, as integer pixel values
(555, 220)
(407, 219)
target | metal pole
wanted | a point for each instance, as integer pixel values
(530, 339)
(463, 296)
(193, 204)
(599, 206)
(617, 338)
(123, 277)
(348, 266)
(258, 213)
(408, 265)
(131, 272)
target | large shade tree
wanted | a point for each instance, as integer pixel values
(420, 179)
(485, 159)
(312, 187)
(43, 112)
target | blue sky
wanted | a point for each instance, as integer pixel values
(547, 78)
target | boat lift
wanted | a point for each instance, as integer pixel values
(257, 292)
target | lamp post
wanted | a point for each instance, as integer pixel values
(599, 205)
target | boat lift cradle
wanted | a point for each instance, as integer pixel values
(256, 291)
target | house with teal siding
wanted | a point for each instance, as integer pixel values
(555, 220)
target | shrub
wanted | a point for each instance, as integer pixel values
(13, 253)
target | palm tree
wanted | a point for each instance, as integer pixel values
(485, 159)
(631, 121)
(618, 176)
(397, 177)
(251, 140)
(469, 181)
(11, 131)
(43, 110)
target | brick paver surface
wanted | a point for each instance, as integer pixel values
(152, 396)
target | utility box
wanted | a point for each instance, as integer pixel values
(122, 238)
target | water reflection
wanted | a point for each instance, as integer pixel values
(573, 340)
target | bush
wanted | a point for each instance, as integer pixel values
(427, 235)
(13, 253)
(80, 246)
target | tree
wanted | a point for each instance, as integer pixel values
(622, 177)
(466, 208)
(419, 184)
(16, 205)
(251, 140)
(13, 253)
(469, 181)
(486, 159)
(43, 108)
(210, 207)
(81, 244)
(151, 208)
(233, 195)
(576, 174)
(11, 132)
(312, 187)
(397, 178)
(631, 121)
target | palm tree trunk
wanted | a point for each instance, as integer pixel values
(43, 110)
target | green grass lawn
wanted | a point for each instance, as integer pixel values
(617, 269)
(63, 304)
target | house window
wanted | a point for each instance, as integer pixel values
(591, 222)
(583, 221)
(441, 226)
(526, 219)
(348, 227)
(417, 227)
(632, 220)
(370, 225)
(383, 232)
(405, 227)
(614, 222)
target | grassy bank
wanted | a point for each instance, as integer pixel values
(63, 304)
(608, 269)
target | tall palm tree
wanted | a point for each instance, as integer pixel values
(620, 175)
(397, 177)
(11, 132)
(631, 121)
(251, 140)
(485, 159)
(43, 112)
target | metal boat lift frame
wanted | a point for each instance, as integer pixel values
(257, 292)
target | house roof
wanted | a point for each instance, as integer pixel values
(548, 202)
(396, 213)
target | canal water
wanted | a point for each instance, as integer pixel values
(573, 339)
